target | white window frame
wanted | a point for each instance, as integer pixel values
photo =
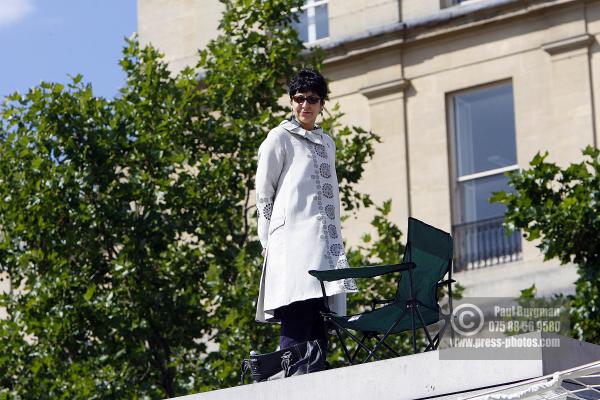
(457, 179)
(489, 172)
(310, 6)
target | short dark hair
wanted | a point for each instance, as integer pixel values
(308, 80)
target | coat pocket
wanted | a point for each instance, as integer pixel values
(276, 223)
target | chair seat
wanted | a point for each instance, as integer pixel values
(381, 319)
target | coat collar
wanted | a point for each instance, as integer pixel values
(315, 136)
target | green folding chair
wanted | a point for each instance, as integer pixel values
(427, 260)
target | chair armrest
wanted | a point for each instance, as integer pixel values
(382, 301)
(376, 302)
(360, 272)
(446, 282)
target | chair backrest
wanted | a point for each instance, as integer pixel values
(431, 250)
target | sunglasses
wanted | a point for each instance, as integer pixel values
(301, 99)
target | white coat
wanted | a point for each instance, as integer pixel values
(298, 204)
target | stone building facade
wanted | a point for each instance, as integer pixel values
(460, 92)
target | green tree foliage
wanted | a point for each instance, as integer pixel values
(108, 233)
(126, 224)
(559, 323)
(560, 208)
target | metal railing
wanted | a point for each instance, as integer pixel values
(484, 243)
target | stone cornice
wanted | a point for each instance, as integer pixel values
(395, 36)
(358, 46)
(385, 88)
(568, 44)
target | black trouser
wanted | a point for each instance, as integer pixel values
(301, 321)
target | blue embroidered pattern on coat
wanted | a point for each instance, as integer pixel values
(332, 232)
(264, 206)
(336, 249)
(320, 150)
(348, 284)
(325, 170)
(267, 210)
(330, 211)
(328, 191)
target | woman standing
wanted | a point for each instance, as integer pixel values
(299, 217)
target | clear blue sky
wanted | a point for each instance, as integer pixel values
(44, 40)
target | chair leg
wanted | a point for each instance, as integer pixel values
(394, 352)
(362, 341)
(452, 336)
(343, 343)
(380, 342)
(424, 327)
(440, 334)
(436, 341)
(372, 352)
(413, 329)
(434, 344)
(430, 346)
(363, 346)
(451, 308)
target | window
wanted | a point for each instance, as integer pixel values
(484, 147)
(313, 21)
